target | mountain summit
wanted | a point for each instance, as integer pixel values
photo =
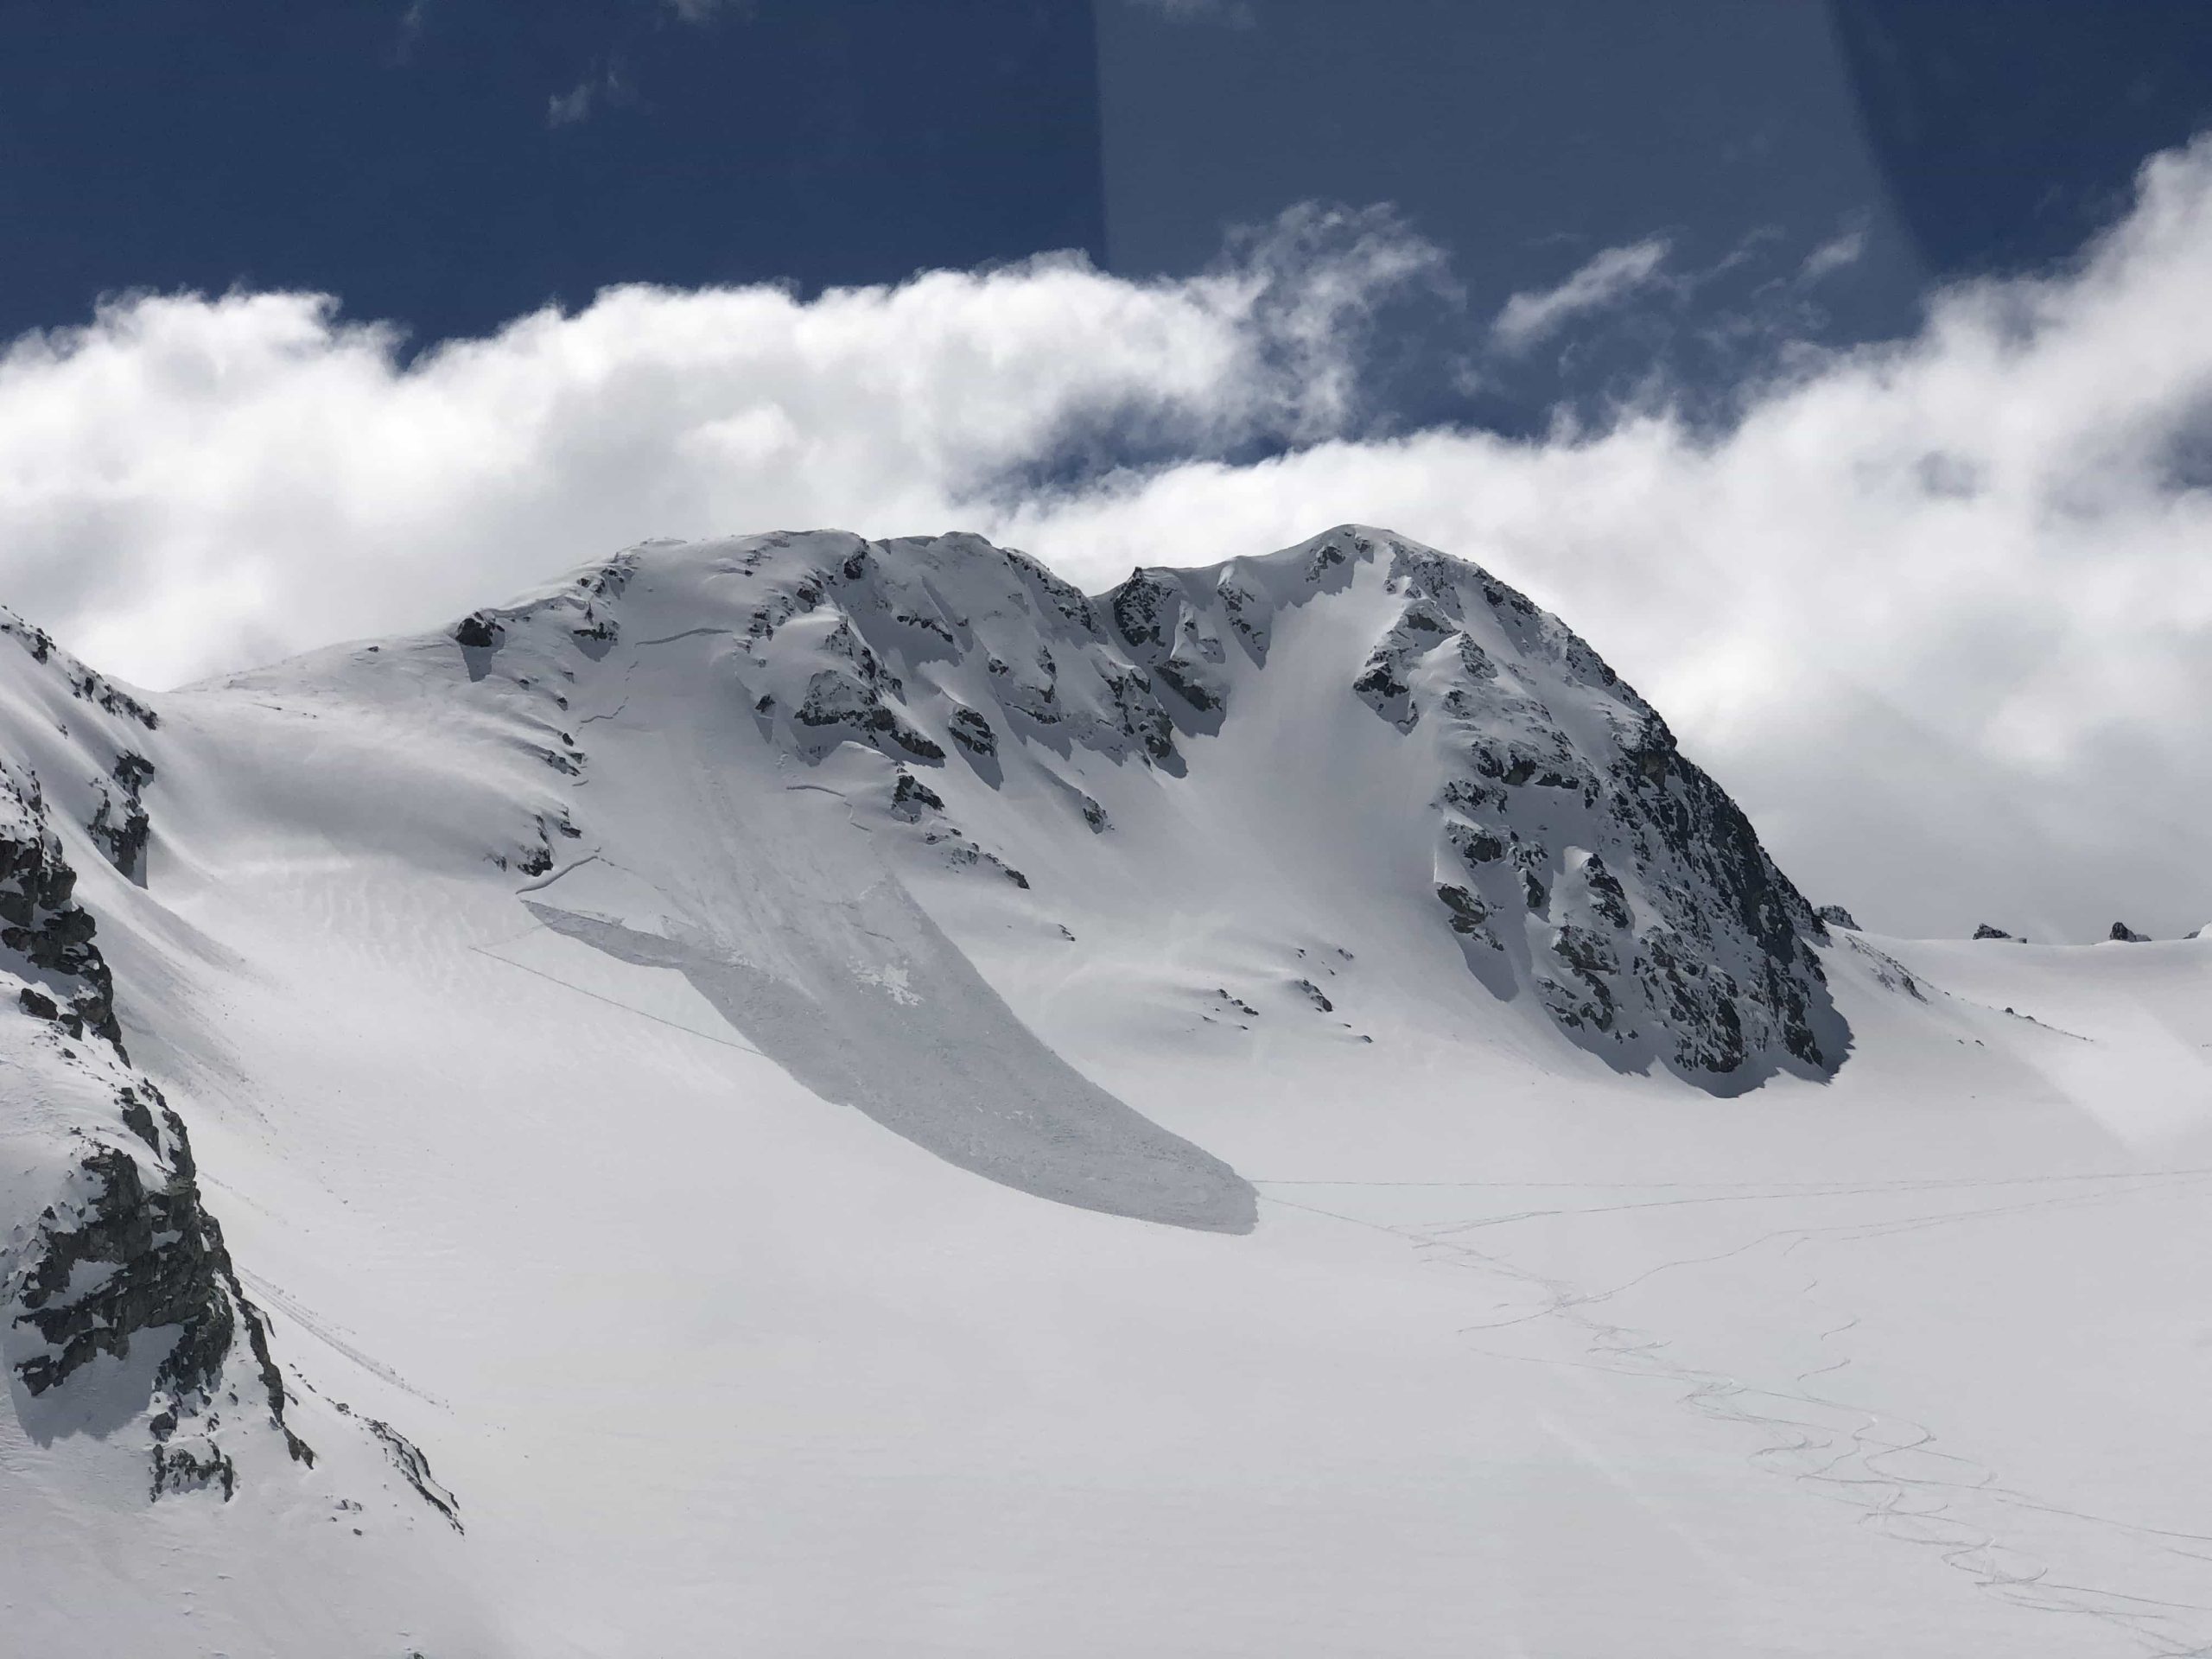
(1358, 713)
(449, 1079)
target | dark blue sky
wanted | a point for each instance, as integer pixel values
(450, 163)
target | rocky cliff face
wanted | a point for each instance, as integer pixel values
(1576, 858)
(123, 1259)
(41, 921)
(1578, 852)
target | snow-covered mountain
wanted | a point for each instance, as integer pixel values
(435, 1225)
(1504, 772)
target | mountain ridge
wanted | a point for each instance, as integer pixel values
(538, 991)
(1708, 965)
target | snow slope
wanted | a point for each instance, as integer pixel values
(803, 1097)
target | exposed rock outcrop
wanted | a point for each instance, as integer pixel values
(39, 918)
(125, 1252)
(120, 825)
(1579, 853)
(480, 630)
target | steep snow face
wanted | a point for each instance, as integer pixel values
(717, 684)
(122, 1247)
(138, 1367)
(1538, 807)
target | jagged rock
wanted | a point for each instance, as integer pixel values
(117, 1254)
(138, 1118)
(122, 831)
(973, 732)
(1986, 932)
(596, 635)
(181, 1470)
(959, 851)
(118, 1258)
(1837, 916)
(837, 700)
(1384, 684)
(97, 689)
(36, 641)
(2123, 934)
(1167, 629)
(143, 1283)
(480, 631)
(134, 772)
(1469, 913)
(911, 797)
(1656, 924)
(415, 1468)
(85, 684)
(1144, 609)
(39, 915)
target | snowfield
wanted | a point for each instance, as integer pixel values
(802, 1097)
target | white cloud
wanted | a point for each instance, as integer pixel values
(1236, 14)
(1939, 612)
(566, 109)
(412, 21)
(1532, 317)
(608, 86)
(191, 483)
(1847, 247)
(707, 12)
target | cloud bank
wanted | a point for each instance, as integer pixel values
(1940, 612)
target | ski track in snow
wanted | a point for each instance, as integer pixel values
(270, 1295)
(1843, 1448)
(555, 979)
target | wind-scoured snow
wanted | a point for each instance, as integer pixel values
(684, 1073)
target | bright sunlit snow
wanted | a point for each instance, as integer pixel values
(807, 1098)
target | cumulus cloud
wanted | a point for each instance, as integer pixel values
(1939, 612)
(1534, 316)
(191, 483)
